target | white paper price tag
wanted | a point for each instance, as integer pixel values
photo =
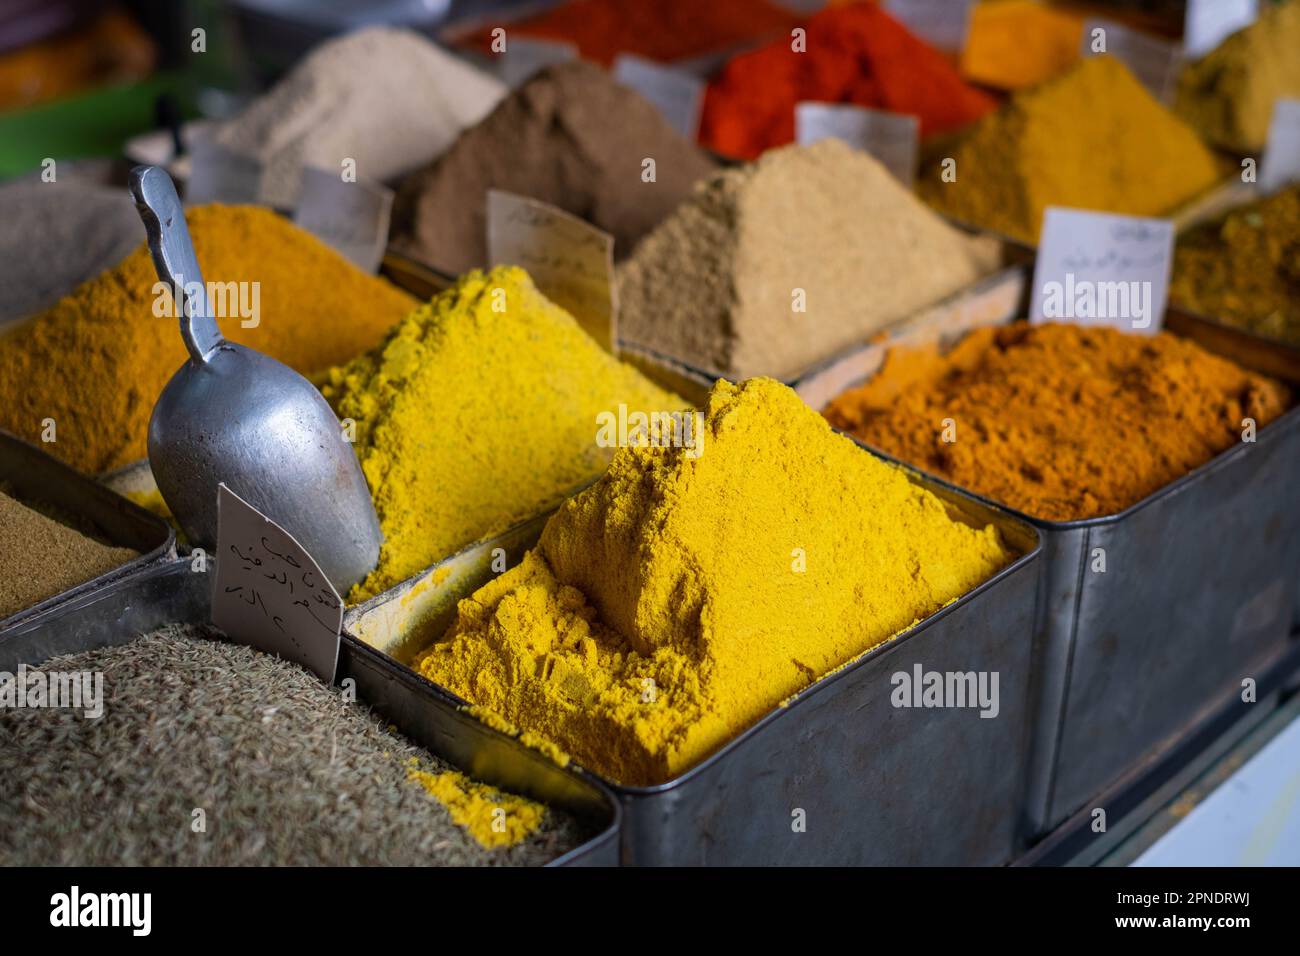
(270, 593)
(571, 261)
(941, 23)
(524, 56)
(892, 138)
(678, 95)
(1097, 268)
(218, 174)
(1207, 23)
(1153, 61)
(1282, 155)
(352, 217)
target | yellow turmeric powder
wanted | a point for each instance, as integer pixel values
(680, 598)
(493, 818)
(1014, 44)
(95, 361)
(1058, 421)
(477, 411)
(1093, 138)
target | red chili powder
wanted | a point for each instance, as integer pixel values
(663, 30)
(855, 54)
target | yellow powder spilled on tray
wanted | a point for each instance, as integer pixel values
(95, 361)
(1093, 138)
(479, 410)
(493, 818)
(682, 596)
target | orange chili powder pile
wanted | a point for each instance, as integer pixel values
(664, 30)
(855, 54)
(1061, 422)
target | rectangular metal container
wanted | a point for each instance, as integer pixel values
(170, 591)
(1199, 593)
(35, 477)
(870, 782)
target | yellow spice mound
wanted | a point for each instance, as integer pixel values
(477, 411)
(493, 818)
(681, 597)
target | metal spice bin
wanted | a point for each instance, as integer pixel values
(877, 784)
(169, 591)
(34, 476)
(1199, 593)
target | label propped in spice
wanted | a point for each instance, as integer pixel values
(1282, 155)
(1155, 62)
(892, 138)
(218, 174)
(570, 260)
(352, 217)
(678, 95)
(941, 23)
(1102, 269)
(524, 56)
(1207, 23)
(270, 593)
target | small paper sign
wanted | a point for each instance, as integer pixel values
(891, 138)
(1282, 155)
(941, 23)
(270, 593)
(678, 95)
(1155, 62)
(1096, 268)
(1207, 23)
(524, 56)
(218, 174)
(352, 217)
(571, 261)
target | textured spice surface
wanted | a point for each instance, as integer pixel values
(492, 818)
(1014, 44)
(96, 361)
(664, 30)
(1093, 138)
(1059, 421)
(286, 771)
(477, 411)
(1228, 94)
(571, 137)
(1244, 268)
(679, 599)
(717, 284)
(388, 99)
(856, 54)
(39, 557)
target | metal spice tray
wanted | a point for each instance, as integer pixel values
(171, 591)
(877, 784)
(34, 476)
(1200, 592)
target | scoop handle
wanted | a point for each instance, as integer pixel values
(173, 256)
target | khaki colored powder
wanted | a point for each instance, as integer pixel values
(1244, 268)
(1228, 94)
(1093, 138)
(679, 599)
(96, 361)
(40, 557)
(478, 410)
(1061, 422)
(716, 284)
(493, 818)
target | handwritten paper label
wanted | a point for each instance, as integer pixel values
(350, 216)
(1207, 23)
(1097, 268)
(269, 592)
(942, 23)
(1155, 62)
(218, 174)
(571, 261)
(677, 94)
(524, 56)
(1282, 156)
(891, 138)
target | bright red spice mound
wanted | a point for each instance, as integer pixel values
(856, 54)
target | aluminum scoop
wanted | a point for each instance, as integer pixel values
(233, 415)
